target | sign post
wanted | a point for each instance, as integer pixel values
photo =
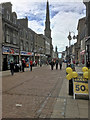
(80, 86)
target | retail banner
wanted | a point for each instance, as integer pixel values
(9, 50)
(26, 53)
(81, 86)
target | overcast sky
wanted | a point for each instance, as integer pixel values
(64, 17)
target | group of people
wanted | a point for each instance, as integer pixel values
(56, 62)
(88, 64)
(21, 66)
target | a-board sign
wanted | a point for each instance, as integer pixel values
(80, 86)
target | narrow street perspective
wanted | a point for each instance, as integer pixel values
(42, 93)
(44, 59)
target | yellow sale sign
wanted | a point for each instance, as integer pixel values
(81, 86)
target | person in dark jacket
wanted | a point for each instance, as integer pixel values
(88, 64)
(52, 64)
(23, 64)
(12, 67)
(31, 63)
(56, 64)
(60, 63)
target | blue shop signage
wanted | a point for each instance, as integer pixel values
(8, 50)
(26, 53)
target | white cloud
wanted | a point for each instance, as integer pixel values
(36, 26)
(63, 22)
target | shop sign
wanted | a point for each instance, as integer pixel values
(80, 86)
(6, 50)
(37, 54)
(82, 52)
(12, 51)
(26, 53)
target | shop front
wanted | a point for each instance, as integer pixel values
(9, 54)
(27, 56)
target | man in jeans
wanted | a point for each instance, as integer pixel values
(31, 63)
(12, 67)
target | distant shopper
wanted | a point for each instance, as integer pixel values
(12, 67)
(69, 64)
(73, 61)
(20, 65)
(40, 63)
(36, 63)
(31, 63)
(23, 64)
(60, 63)
(88, 64)
(56, 64)
(52, 64)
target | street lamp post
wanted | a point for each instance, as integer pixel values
(70, 38)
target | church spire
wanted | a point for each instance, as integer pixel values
(47, 12)
(47, 22)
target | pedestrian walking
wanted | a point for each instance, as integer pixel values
(69, 64)
(60, 63)
(12, 67)
(52, 64)
(40, 63)
(20, 65)
(31, 63)
(56, 64)
(88, 64)
(23, 64)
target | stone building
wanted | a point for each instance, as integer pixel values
(10, 39)
(26, 38)
(87, 41)
(0, 37)
(81, 35)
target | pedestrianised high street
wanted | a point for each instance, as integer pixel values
(42, 93)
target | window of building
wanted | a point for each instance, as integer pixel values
(26, 35)
(24, 46)
(14, 20)
(31, 47)
(31, 37)
(7, 36)
(27, 46)
(21, 33)
(8, 15)
(21, 46)
(14, 37)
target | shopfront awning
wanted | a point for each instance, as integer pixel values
(26, 53)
